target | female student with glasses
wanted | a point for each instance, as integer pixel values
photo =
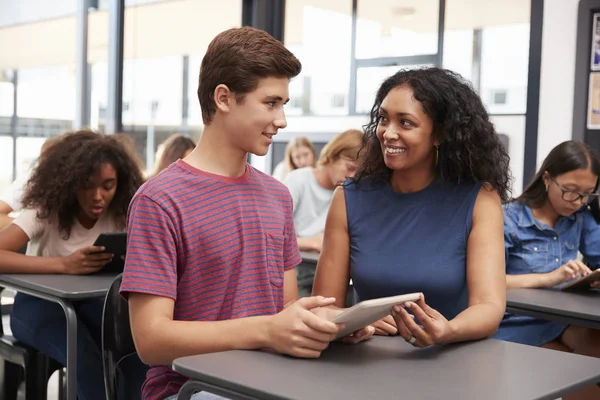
(544, 229)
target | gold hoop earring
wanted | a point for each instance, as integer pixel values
(437, 154)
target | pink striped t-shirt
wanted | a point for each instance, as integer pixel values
(218, 246)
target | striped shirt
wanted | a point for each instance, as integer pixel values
(216, 245)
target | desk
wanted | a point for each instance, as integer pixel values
(571, 308)
(388, 367)
(62, 289)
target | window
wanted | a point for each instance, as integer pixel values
(160, 98)
(498, 97)
(38, 51)
(368, 81)
(487, 42)
(6, 94)
(6, 162)
(338, 101)
(318, 34)
(388, 28)
(28, 150)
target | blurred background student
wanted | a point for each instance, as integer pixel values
(312, 190)
(299, 153)
(175, 147)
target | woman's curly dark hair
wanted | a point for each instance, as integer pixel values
(469, 150)
(66, 168)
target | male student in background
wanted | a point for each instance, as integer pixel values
(211, 241)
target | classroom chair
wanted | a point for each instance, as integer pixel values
(124, 372)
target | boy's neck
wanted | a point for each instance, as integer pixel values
(216, 155)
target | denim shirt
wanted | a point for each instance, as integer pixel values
(534, 247)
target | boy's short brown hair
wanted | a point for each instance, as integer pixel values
(239, 58)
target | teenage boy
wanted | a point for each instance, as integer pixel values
(211, 241)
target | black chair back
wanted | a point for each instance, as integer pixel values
(124, 372)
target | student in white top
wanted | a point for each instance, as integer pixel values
(80, 188)
(10, 199)
(312, 190)
(299, 153)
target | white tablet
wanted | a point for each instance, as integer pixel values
(366, 312)
(582, 282)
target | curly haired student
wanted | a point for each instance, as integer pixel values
(80, 188)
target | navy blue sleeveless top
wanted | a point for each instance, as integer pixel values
(411, 242)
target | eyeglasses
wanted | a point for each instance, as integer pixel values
(572, 196)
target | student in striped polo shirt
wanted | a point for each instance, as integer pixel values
(212, 247)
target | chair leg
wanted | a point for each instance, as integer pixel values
(36, 378)
(12, 377)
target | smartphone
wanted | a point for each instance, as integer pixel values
(114, 243)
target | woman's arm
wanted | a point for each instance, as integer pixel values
(486, 279)
(333, 269)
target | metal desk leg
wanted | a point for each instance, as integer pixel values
(191, 386)
(71, 348)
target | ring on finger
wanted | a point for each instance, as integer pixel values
(411, 340)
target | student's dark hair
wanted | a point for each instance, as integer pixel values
(239, 58)
(66, 168)
(566, 157)
(470, 149)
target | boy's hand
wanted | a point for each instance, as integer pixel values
(297, 331)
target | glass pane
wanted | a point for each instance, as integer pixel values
(6, 97)
(99, 95)
(41, 46)
(512, 130)
(504, 67)
(28, 150)
(322, 87)
(152, 91)
(47, 93)
(368, 81)
(488, 43)
(6, 162)
(387, 28)
(154, 53)
(194, 112)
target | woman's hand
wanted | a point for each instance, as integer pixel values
(86, 261)
(434, 328)
(385, 326)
